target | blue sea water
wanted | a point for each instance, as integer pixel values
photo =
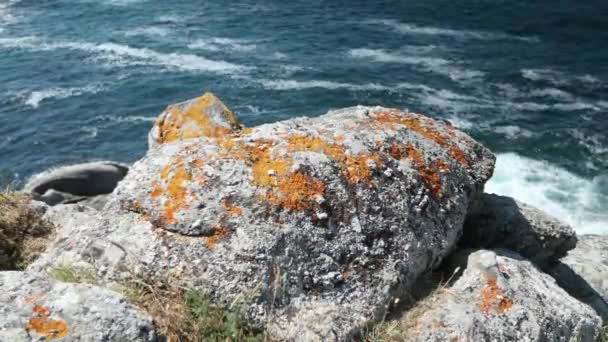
(83, 79)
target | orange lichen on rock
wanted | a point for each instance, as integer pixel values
(430, 174)
(492, 298)
(41, 324)
(200, 117)
(176, 193)
(231, 208)
(424, 127)
(355, 168)
(219, 232)
(296, 192)
(156, 190)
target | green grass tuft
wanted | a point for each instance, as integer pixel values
(68, 274)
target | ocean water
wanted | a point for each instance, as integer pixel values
(83, 79)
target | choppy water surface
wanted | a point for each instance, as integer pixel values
(83, 79)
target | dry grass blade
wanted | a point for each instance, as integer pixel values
(24, 235)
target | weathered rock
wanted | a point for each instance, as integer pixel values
(204, 116)
(35, 308)
(584, 272)
(505, 298)
(502, 222)
(74, 183)
(331, 216)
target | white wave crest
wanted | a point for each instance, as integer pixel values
(406, 28)
(124, 55)
(7, 16)
(299, 85)
(559, 78)
(580, 202)
(149, 31)
(220, 44)
(429, 64)
(36, 97)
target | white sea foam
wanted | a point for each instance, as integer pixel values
(112, 119)
(148, 31)
(36, 97)
(7, 16)
(581, 202)
(124, 55)
(299, 85)
(407, 28)
(559, 78)
(220, 44)
(553, 93)
(512, 131)
(429, 64)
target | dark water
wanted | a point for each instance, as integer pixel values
(83, 80)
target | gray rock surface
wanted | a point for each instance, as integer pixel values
(329, 217)
(502, 222)
(73, 183)
(502, 297)
(36, 308)
(584, 272)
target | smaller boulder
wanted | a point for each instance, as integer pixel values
(75, 183)
(34, 308)
(502, 297)
(502, 222)
(204, 116)
(584, 272)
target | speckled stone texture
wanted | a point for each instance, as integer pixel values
(36, 308)
(502, 297)
(584, 272)
(311, 226)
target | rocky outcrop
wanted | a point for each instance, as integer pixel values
(75, 183)
(584, 272)
(35, 308)
(328, 217)
(502, 222)
(502, 297)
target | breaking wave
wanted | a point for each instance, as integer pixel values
(407, 28)
(36, 97)
(124, 55)
(580, 202)
(299, 85)
(430, 64)
(558, 78)
(220, 44)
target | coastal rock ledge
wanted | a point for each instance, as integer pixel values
(312, 228)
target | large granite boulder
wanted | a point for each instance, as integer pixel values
(36, 308)
(503, 222)
(502, 297)
(584, 272)
(311, 225)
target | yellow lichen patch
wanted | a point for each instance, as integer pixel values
(176, 193)
(266, 170)
(219, 232)
(156, 190)
(197, 163)
(430, 174)
(492, 298)
(194, 119)
(355, 168)
(231, 208)
(41, 324)
(296, 192)
(424, 127)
